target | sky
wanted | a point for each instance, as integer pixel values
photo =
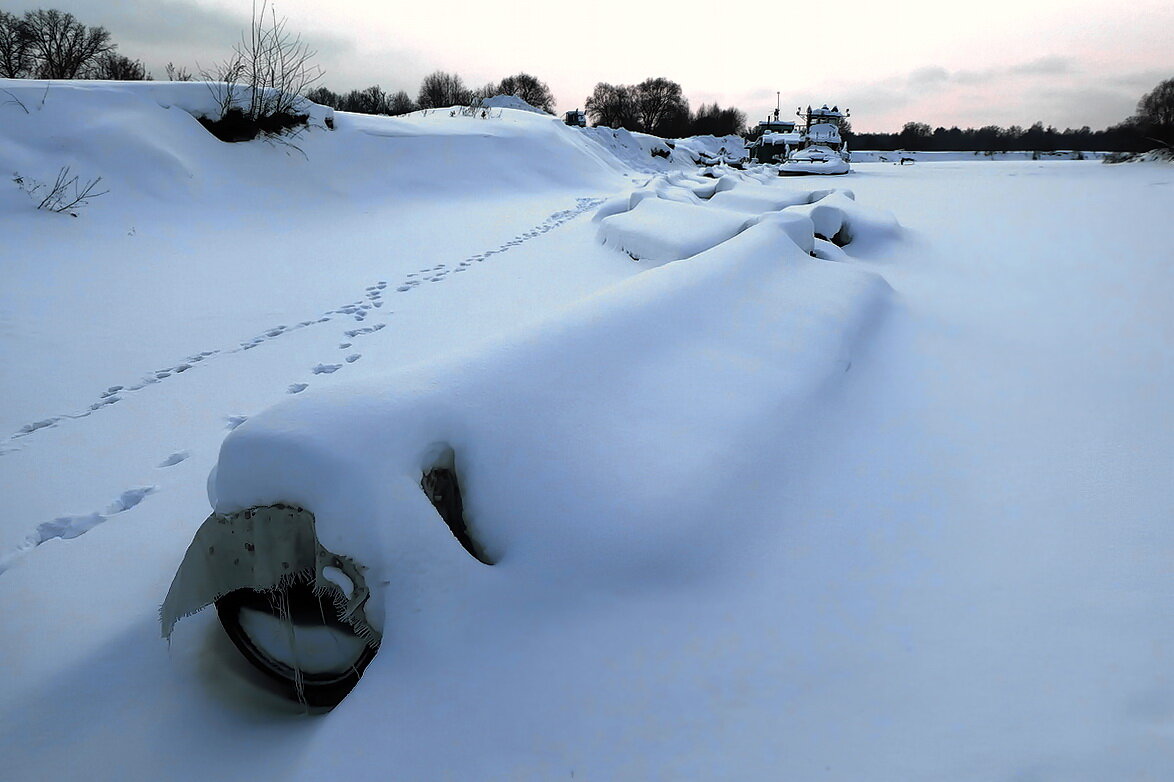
(1066, 63)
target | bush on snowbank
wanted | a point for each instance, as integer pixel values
(259, 88)
(1165, 155)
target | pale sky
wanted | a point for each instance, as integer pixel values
(1066, 63)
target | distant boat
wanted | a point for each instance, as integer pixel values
(822, 149)
(773, 140)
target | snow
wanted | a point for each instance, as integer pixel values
(823, 133)
(510, 102)
(793, 138)
(651, 154)
(658, 229)
(898, 510)
(886, 156)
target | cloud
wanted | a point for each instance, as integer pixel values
(164, 22)
(1059, 91)
(1044, 66)
(161, 31)
(932, 74)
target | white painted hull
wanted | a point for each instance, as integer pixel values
(814, 160)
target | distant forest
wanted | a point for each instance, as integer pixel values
(1129, 136)
(51, 44)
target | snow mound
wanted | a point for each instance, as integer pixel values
(143, 138)
(586, 444)
(652, 154)
(755, 198)
(678, 215)
(1153, 156)
(838, 218)
(511, 102)
(661, 230)
(713, 149)
(610, 411)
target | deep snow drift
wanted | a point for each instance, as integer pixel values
(777, 488)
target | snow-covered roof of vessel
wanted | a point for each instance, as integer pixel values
(782, 138)
(824, 131)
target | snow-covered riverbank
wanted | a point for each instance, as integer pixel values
(902, 515)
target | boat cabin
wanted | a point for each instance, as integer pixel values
(822, 126)
(773, 139)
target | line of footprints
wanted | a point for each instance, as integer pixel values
(359, 310)
(68, 527)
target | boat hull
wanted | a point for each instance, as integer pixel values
(808, 168)
(816, 159)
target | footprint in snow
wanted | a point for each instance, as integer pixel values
(35, 425)
(130, 498)
(69, 527)
(234, 421)
(174, 459)
(358, 310)
(326, 369)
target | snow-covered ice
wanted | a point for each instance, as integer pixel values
(755, 514)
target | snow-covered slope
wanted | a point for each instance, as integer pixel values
(763, 506)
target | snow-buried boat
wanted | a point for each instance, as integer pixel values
(823, 149)
(593, 448)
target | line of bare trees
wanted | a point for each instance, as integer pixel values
(659, 107)
(437, 90)
(52, 44)
(1151, 125)
(654, 106)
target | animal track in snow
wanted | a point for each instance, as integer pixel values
(365, 330)
(174, 459)
(326, 369)
(358, 310)
(441, 271)
(69, 527)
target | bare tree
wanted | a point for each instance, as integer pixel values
(440, 89)
(273, 65)
(529, 89)
(1155, 113)
(260, 87)
(16, 57)
(917, 135)
(479, 95)
(178, 74)
(325, 97)
(713, 120)
(372, 100)
(115, 67)
(658, 103)
(278, 66)
(613, 106)
(62, 46)
(400, 103)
